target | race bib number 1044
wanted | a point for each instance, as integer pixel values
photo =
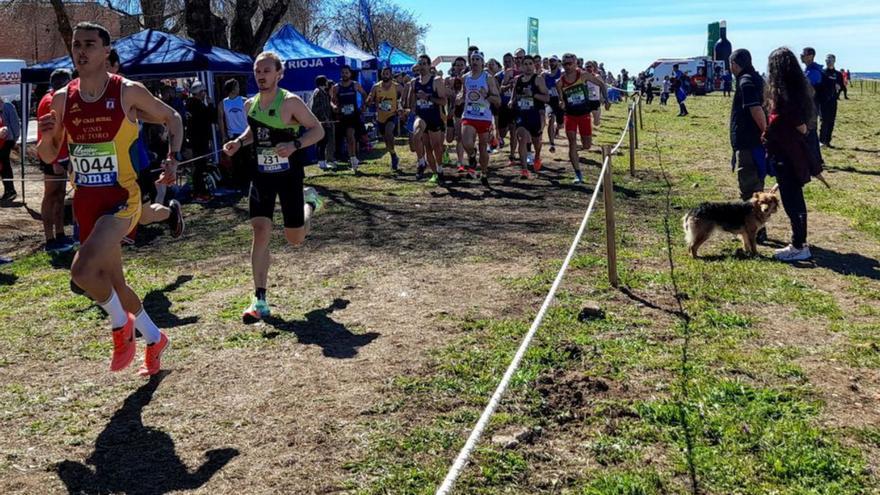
(94, 164)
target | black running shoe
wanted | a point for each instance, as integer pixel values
(176, 224)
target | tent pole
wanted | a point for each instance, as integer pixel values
(25, 107)
(208, 79)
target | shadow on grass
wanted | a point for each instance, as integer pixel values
(159, 307)
(335, 340)
(130, 457)
(852, 170)
(8, 278)
(844, 263)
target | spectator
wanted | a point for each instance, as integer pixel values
(678, 82)
(832, 83)
(233, 122)
(52, 207)
(747, 122)
(790, 103)
(649, 90)
(201, 115)
(844, 82)
(323, 110)
(10, 131)
(664, 94)
(726, 83)
(813, 72)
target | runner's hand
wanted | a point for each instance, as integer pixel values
(232, 147)
(284, 150)
(58, 169)
(48, 124)
(169, 172)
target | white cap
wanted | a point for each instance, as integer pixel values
(722, 24)
(197, 87)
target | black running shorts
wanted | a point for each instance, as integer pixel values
(287, 187)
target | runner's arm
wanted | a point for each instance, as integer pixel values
(543, 95)
(442, 97)
(334, 102)
(371, 98)
(559, 91)
(246, 138)
(52, 129)
(360, 89)
(494, 96)
(155, 111)
(221, 121)
(298, 111)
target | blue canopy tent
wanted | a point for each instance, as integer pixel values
(149, 54)
(304, 61)
(367, 76)
(399, 60)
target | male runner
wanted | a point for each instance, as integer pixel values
(478, 93)
(505, 120)
(52, 207)
(428, 97)
(573, 97)
(556, 114)
(529, 92)
(344, 99)
(454, 111)
(275, 119)
(386, 96)
(595, 94)
(96, 115)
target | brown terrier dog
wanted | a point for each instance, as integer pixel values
(744, 218)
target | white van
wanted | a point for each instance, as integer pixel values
(10, 79)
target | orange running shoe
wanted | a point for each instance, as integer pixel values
(153, 353)
(124, 345)
(537, 165)
(524, 174)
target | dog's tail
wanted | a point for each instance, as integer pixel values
(688, 233)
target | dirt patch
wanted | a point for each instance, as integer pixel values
(566, 396)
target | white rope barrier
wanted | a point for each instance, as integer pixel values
(464, 454)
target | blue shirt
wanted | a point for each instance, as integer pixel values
(10, 121)
(814, 73)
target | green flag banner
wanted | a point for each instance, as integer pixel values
(533, 36)
(714, 36)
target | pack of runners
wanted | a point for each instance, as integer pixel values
(92, 123)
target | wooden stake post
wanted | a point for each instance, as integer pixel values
(632, 148)
(610, 238)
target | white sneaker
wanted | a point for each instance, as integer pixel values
(791, 253)
(530, 159)
(311, 197)
(322, 165)
(354, 164)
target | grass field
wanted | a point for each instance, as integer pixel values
(397, 318)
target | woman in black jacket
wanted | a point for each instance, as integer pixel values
(789, 101)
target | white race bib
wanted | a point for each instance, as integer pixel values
(94, 164)
(348, 109)
(269, 162)
(526, 102)
(424, 104)
(385, 105)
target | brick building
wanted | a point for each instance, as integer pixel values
(30, 29)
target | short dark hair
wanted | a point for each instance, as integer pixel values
(345, 66)
(103, 33)
(113, 58)
(461, 58)
(508, 54)
(59, 78)
(473, 48)
(230, 85)
(425, 56)
(320, 81)
(809, 51)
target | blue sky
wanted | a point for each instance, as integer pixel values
(633, 34)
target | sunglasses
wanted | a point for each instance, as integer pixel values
(568, 62)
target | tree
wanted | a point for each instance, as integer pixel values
(203, 26)
(242, 36)
(391, 23)
(64, 26)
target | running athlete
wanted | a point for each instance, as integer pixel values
(529, 92)
(556, 115)
(275, 120)
(573, 97)
(386, 97)
(596, 94)
(344, 99)
(428, 98)
(96, 114)
(478, 93)
(504, 121)
(455, 110)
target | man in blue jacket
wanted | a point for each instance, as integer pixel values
(813, 71)
(10, 131)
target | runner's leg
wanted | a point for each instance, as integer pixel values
(484, 152)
